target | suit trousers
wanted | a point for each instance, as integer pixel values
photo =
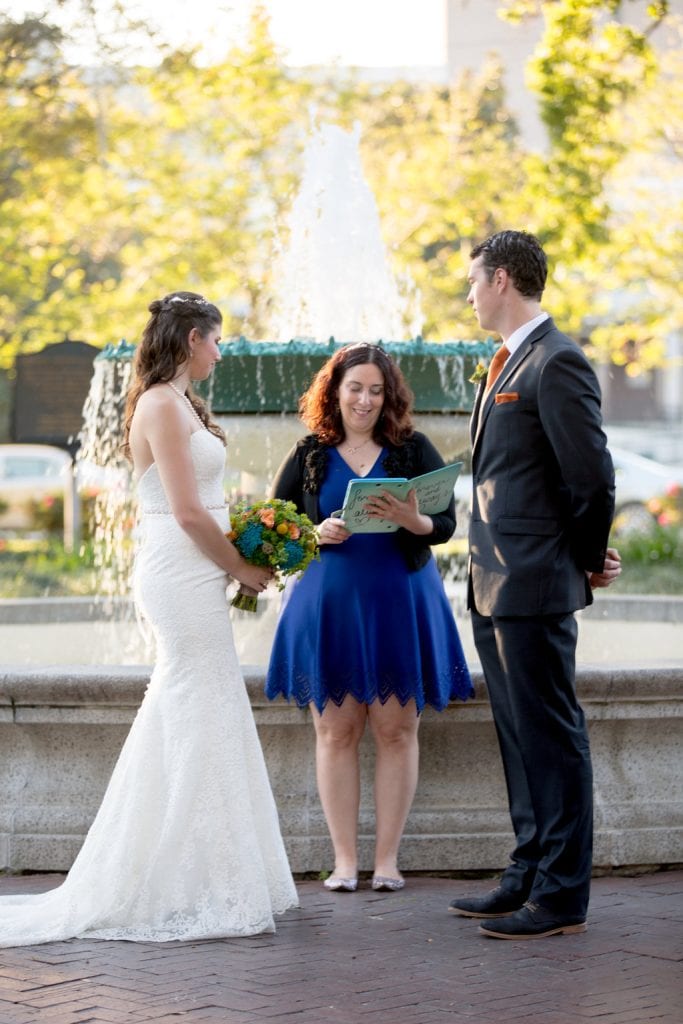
(529, 668)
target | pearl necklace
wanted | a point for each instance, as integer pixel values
(181, 394)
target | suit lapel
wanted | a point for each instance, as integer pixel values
(482, 408)
(474, 418)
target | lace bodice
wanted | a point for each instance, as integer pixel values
(208, 456)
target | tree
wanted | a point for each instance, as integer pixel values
(444, 164)
(137, 181)
(119, 183)
(592, 70)
(45, 131)
(643, 257)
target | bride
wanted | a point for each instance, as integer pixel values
(186, 843)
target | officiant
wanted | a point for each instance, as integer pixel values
(366, 637)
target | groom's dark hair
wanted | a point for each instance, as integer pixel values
(521, 255)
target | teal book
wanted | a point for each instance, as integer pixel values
(434, 492)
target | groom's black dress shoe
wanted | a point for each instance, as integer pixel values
(533, 922)
(497, 903)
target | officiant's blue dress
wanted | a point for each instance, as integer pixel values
(358, 622)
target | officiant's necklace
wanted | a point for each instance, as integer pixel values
(352, 451)
(181, 394)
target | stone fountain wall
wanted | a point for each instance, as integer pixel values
(61, 730)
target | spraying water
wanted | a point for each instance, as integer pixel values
(100, 437)
(333, 278)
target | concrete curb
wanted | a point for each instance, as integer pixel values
(618, 607)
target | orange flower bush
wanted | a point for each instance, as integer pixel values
(668, 510)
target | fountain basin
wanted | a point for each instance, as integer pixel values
(267, 377)
(61, 729)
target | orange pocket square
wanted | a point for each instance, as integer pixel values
(507, 396)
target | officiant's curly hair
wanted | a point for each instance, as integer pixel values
(319, 406)
(165, 346)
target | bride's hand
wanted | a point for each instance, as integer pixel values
(255, 577)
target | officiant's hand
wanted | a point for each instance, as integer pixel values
(332, 531)
(404, 513)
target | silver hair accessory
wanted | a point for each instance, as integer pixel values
(198, 302)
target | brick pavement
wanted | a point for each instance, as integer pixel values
(370, 958)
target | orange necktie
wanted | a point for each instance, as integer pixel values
(496, 366)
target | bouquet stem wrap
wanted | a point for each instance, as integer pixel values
(245, 599)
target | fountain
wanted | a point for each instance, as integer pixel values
(332, 284)
(61, 727)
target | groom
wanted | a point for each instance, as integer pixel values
(542, 508)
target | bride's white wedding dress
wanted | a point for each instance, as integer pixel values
(186, 843)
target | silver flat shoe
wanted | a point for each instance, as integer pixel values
(336, 884)
(380, 883)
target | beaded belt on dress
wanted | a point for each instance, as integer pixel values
(167, 512)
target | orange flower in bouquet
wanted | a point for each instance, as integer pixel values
(271, 532)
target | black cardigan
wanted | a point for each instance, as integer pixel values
(300, 477)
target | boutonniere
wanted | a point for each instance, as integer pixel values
(480, 373)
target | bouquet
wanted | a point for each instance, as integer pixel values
(273, 533)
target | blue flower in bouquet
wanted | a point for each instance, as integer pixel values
(249, 541)
(294, 555)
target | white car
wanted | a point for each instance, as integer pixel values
(638, 481)
(30, 472)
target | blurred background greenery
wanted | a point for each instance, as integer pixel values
(121, 179)
(118, 180)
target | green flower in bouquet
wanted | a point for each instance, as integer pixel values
(271, 532)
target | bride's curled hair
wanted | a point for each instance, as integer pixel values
(165, 347)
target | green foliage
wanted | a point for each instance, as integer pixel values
(643, 256)
(652, 562)
(456, 180)
(47, 514)
(608, 224)
(120, 183)
(111, 196)
(44, 568)
(660, 544)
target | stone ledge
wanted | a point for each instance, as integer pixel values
(612, 607)
(605, 692)
(61, 729)
(23, 610)
(636, 608)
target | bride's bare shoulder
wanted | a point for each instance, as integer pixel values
(158, 403)
(157, 407)
(158, 396)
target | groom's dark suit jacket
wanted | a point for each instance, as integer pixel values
(543, 482)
